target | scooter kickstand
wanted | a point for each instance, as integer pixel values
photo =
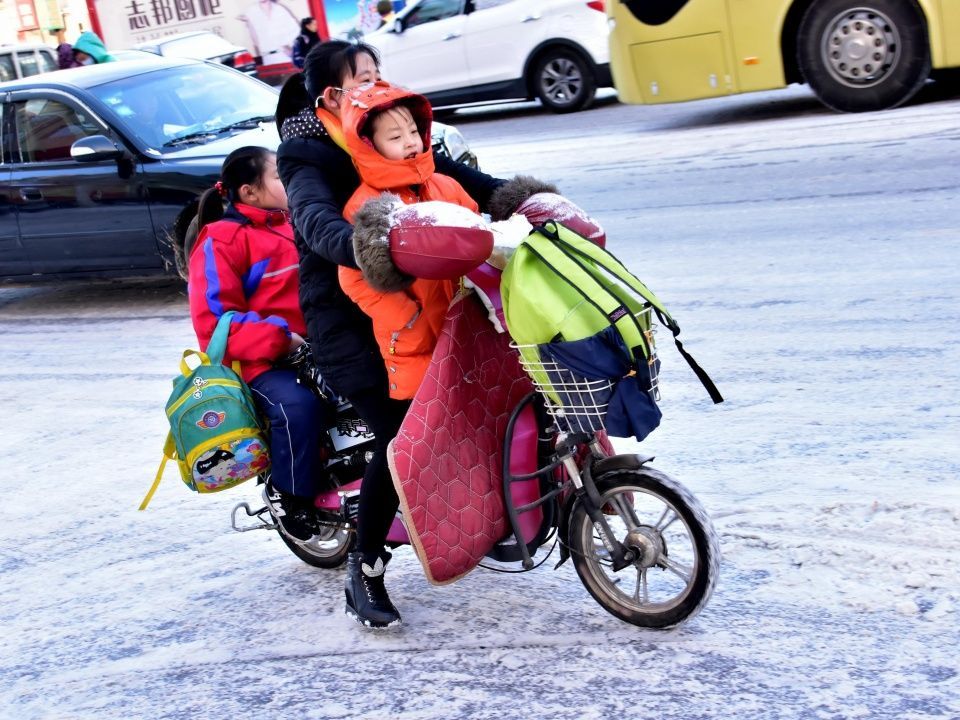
(258, 514)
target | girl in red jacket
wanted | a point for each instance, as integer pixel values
(245, 259)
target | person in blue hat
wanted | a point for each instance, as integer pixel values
(87, 50)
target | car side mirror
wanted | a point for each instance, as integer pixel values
(398, 26)
(94, 148)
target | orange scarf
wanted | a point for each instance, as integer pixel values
(331, 123)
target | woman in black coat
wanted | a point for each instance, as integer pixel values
(319, 178)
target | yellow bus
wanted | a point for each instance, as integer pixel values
(856, 55)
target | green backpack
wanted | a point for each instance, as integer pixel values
(559, 288)
(215, 433)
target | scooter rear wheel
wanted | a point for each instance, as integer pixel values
(677, 551)
(326, 550)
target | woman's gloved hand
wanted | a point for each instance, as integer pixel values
(308, 374)
(538, 202)
(548, 206)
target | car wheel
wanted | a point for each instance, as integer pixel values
(564, 81)
(860, 55)
(183, 249)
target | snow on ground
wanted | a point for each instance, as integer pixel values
(830, 324)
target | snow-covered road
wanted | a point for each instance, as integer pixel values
(813, 262)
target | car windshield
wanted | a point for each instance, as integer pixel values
(174, 107)
(197, 46)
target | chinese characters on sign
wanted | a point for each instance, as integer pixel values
(151, 14)
(267, 29)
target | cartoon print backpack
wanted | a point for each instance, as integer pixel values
(573, 308)
(215, 434)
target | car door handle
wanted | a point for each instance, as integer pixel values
(451, 36)
(530, 18)
(30, 194)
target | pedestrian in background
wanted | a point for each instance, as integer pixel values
(307, 38)
(385, 10)
(87, 50)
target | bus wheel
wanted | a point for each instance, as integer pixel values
(867, 55)
(564, 81)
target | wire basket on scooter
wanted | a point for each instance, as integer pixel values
(578, 398)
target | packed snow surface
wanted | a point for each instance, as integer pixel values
(827, 312)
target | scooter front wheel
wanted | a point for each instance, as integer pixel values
(676, 550)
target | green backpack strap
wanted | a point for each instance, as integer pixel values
(573, 246)
(217, 347)
(169, 453)
(571, 242)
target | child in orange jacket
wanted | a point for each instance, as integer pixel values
(387, 132)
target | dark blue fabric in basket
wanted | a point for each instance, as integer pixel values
(632, 412)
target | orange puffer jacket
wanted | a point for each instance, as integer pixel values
(407, 323)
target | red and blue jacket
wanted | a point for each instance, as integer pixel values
(247, 262)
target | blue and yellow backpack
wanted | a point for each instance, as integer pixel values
(215, 437)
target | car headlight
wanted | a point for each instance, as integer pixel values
(455, 143)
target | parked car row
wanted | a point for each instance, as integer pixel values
(456, 52)
(459, 52)
(20, 61)
(27, 60)
(101, 166)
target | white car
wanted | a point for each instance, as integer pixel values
(202, 45)
(20, 61)
(458, 52)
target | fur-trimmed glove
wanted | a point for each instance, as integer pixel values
(394, 243)
(371, 244)
(505, 200)
(538, 202)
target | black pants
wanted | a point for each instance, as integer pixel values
(378, 499)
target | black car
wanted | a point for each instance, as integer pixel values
(101, 166)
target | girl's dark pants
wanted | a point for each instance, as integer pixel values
(296, 417)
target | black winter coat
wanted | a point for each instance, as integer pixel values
(319, 178)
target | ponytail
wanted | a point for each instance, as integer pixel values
(293, 99)
(210, 208)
